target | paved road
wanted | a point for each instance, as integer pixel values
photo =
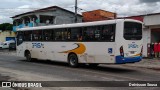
(18, 69)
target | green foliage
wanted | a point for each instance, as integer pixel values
(6, 26)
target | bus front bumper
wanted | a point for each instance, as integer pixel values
(123, 60)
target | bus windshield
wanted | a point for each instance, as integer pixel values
(132, 31)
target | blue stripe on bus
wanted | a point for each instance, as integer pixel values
(123, 60)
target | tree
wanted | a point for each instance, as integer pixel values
(6, 26)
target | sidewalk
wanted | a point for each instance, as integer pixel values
(7, 52)
(147, 63)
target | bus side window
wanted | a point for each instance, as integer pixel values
(20, 38)
(76, 34)
(97, 33)
(37, 35)
(47, 35)
(89, 34)
(64, 34)
(58, 35)
(69, 34)
(108, 33)
(28, 36)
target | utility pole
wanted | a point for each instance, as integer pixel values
(76, 11)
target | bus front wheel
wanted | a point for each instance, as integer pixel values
(73, 60)
(28, 56)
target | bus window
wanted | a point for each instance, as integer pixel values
(76, 34)
(97, 33)
(58, 34)
(61, 34)
(92, 33)
(132, 31)
(64, 34)
(47, 35)
(28, 36)
(89, 34)
(108, 33)
(19, 38)
(37, 35)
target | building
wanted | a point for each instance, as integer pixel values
(7, 35)
(98, 15)
(46, 16)
(151, 30)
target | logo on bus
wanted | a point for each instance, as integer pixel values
(110, 50)
(37, 45)
(132, 46)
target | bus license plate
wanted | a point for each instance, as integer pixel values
(132, 52)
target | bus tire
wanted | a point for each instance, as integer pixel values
(93, 65)
(73, 60)
(28, 56)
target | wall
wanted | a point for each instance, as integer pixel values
(63, 17)
(60, 17)
(152, 20)
(146, 40)
(148, 37)
(5, 34)
(98, 15)
(140, 18)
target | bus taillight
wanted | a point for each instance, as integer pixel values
(121, 51)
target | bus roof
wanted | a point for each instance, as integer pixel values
(84, 24)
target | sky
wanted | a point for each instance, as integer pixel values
(123, 8)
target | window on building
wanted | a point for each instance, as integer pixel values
(46, 19)
(28, 36)
(37, 35)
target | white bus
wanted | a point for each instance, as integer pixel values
(113, 41)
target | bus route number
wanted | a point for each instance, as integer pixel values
(37, 45)
(132, 46)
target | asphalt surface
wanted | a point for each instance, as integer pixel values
(17, 68)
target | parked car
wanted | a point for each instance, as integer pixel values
(12, 46)
(5, 45)
(1, 45)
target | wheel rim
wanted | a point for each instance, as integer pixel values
(73, 61)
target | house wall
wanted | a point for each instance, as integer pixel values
(5, 34)
(150, 37)
(63, 17)
(152, 20)
(97, 15)
(146, 40)
(140, 18)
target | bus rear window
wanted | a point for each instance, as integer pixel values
(132, 31)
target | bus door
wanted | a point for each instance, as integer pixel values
(19, 41)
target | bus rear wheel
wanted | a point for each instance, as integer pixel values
(73, 60)
(28, 56)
